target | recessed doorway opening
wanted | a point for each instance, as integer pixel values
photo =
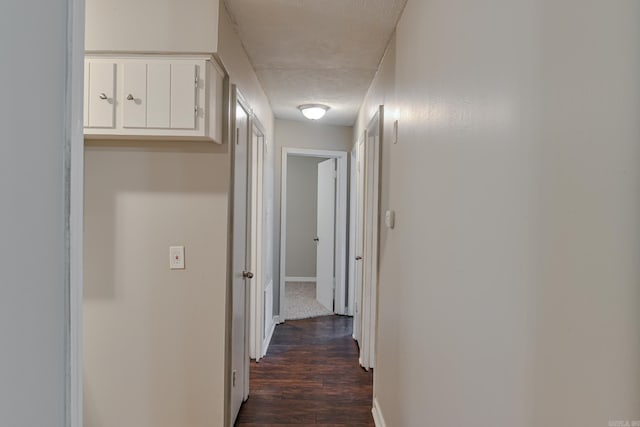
(313, 243)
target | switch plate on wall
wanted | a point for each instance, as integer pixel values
(395, 132)
(176, 257)
(390, 219)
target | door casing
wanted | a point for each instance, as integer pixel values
(341, 299)
(74, 195)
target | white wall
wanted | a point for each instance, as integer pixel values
(34, 127)
(241, 73)
(299, 134)
(509, 287)
(163, 332)
(302, 216)
(152, 25)
(141, 198)
(153, 353)
(587, 341)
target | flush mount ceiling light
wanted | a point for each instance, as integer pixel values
(313, 111)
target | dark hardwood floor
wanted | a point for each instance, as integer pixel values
(310, 376)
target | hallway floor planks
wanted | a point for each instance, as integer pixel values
(310, 376)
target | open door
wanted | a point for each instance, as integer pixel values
(240, 255)
(325, 236)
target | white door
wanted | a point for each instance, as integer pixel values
(325, 235)
(370, 252)
(239, 356)
(256, 294)
(359, 241)
(367, 255)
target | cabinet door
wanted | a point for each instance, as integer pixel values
(159, 95)
(183, 96)
(101, 98)
(134, 95)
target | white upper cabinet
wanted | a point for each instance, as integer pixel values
(153, 96)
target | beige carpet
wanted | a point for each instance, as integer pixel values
(300, 301)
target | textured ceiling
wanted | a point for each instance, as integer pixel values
(315, 51)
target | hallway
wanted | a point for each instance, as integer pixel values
(310, 376)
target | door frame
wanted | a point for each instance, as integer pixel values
(340, 255)
(74, 195)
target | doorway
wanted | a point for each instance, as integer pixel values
(241, 252)
(250, 300)
(309, 257)
(326, 236)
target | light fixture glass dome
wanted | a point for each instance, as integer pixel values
(314, 111)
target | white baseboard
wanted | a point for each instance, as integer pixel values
(267, 341)
(299, 279)
(378, 419)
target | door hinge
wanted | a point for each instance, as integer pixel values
(233, 379)
(196, 81)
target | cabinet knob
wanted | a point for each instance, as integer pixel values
(130, 97)
(103, 96)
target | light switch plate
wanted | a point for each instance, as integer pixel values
(176, 257)
(390, 219)
(395, 132)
